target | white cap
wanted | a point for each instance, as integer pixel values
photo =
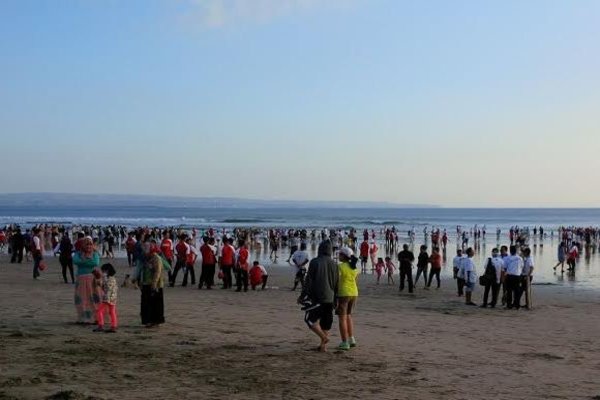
(347, 251)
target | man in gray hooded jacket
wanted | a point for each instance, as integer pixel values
(320, 288)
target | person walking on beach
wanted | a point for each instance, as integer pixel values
(346, 297)
(405, 260)
(87, 297)
(562, 250)
(300, 260)
(493, 274)
(456, 263)
(513, 268)
(436, 267)
(182, 249)
(422, 264)
(320, 288)
(166, 248)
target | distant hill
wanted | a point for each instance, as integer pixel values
(120, 200)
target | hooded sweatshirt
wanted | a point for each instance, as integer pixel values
(322, 278)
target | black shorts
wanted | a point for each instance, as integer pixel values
(364, 258)
(321, 313)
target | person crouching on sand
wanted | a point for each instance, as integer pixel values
(346, 297)
(320, 288)
(258, 276)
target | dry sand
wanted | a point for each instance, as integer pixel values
(220, 344)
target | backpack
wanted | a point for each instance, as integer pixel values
(490, 271)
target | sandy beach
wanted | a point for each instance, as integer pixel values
(224, 345)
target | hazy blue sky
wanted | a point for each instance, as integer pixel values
(456, 103)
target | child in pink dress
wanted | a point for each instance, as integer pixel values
(379, 268)
(389, 268)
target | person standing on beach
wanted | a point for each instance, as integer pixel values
(209, 260)
(513, 268)
(456, 262)
(527, 274)
(242, 266)
(87, 297)
(166, 247)
(364, 256)
(405, 260)
(37, 250)
(320, 288)
(493, 274)
(152, 309)
(66, 257)
(467, 273)
(17, 243)
(346, 297)
(227, 262)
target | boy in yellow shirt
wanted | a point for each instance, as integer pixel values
(346, 296)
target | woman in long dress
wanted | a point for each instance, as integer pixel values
(152, 280)
(87, 298)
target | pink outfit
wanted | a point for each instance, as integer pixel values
(390, 268)
(112, 311)
(379, 268)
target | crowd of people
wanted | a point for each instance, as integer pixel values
(328, 282)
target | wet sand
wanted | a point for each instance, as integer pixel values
(224, 345)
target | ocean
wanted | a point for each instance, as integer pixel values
(375, 218)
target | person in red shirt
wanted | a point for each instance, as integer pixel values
(190, 260)
(364, 254)
(182, 249)
(209, 260)
(436, 267)
(227, 262)
(130, 247)
(166, 248)
(258, 275)
(242, 267)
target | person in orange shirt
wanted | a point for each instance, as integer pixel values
(242, 267)
(227, 262)
(436, 267)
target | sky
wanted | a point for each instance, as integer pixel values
(454, 103)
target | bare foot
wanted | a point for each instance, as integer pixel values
(323, 346)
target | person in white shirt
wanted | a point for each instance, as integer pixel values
(493, 273)
(527, 274)
(460, 283)
(37, 251)
(467, 272)
(513, 267)
(300, 261)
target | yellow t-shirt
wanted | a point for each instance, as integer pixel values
(347, 286)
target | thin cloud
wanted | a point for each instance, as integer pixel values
(214, 14)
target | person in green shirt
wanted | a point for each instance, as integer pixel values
(346, 296)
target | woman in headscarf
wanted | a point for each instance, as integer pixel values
(152, 283)
(87, 298)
